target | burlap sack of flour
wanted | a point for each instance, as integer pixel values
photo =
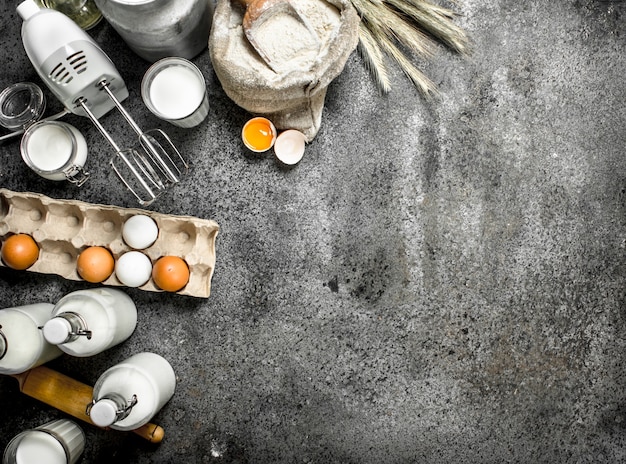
(305, 61)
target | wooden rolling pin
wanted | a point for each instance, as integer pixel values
(71, 397)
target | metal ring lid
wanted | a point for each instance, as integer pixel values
(21, 105)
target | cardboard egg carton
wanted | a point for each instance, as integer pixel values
(64, 228)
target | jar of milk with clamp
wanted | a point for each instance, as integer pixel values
(22, 345)
(56, 151)
(129, 394)
(87, 322)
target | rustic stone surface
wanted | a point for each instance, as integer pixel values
(434, 282)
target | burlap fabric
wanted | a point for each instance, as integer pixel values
(292, 98)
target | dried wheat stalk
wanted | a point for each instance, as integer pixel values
(401, 29)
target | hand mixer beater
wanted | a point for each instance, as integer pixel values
(85, 80)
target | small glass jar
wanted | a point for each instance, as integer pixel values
(21, 104)
(56, 151)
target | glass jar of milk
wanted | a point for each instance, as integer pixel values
(55, 150)
(60, 441)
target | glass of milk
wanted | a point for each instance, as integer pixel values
(55, 150)
(174, 90)
(58, 442)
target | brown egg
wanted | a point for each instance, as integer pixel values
(95, 264)
(170, 273)
(20, 251)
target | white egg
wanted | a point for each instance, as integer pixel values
(133, 269)
(140, 231)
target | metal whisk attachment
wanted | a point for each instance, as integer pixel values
(147, 172)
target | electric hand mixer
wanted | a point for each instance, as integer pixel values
(85, 80)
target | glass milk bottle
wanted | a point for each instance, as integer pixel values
(129, 394)
(87, 322)
(154, 29)
(22, 345)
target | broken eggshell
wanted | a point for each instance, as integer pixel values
(289, 147)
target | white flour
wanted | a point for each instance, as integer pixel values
(288, 42)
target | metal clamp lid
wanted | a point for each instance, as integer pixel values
(65, 327)
(76, 175)
(4, 344)
(109, 409)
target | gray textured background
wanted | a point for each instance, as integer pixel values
(434, 282)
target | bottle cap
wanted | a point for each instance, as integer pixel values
(104, 412)
(57, 330)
